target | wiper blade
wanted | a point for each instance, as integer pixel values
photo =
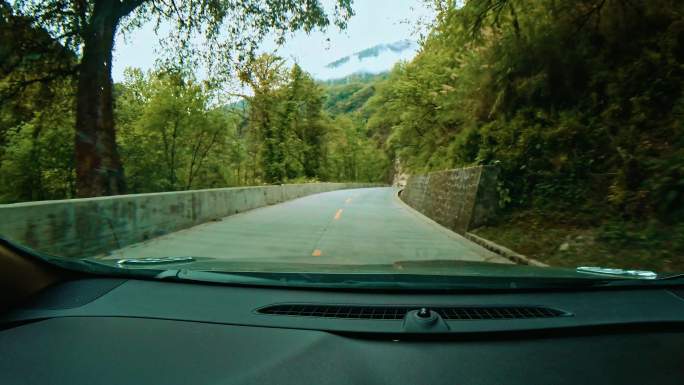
(672, 277)
(373, 281)
(251, 278)
(630, 276)
(154, 261)
(639, 274)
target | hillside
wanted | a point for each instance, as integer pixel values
(351, 93)
(580, 104)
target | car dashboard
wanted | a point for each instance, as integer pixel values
(132, 331)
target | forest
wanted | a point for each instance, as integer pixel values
(173, 135)
(578, 102)
(173, 131)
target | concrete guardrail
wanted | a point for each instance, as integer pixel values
(457, 199)
(92, 226)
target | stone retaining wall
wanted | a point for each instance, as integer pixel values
(91, 226)
(458, 199)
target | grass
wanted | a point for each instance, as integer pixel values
(559, 239)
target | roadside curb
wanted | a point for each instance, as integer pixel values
(451, 233)
(503, 251)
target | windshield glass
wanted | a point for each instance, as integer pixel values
(493, 138)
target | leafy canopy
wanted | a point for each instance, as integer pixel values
(223, 33)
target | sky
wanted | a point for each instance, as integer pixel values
(375, 22)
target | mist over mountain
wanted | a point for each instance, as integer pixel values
(376, 59)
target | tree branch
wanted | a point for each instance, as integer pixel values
(128, 6)
(584, 19)
(16, 87)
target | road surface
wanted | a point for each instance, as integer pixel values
(359, 226)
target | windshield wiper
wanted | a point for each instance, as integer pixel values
(640, 274)
(154, 261)
(375, 281)
(273, 279)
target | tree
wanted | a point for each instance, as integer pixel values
(303, 124)
(36, 112)
(32, 70)
(90, 26)
(351, 154)
(36, 162)
(579, 102)
(265, 75)
(286, 120)
(169, 133)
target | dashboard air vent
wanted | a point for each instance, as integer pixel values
(508, 312)
(398, 312)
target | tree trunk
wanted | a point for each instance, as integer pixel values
(98, 167)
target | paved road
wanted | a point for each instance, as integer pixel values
(359, 226)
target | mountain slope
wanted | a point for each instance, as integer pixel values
(349, 94)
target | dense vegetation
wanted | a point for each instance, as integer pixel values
(579, 102)
(290, 135)
(174, 135)
(36, 112)
(220, 33)
(171, 130)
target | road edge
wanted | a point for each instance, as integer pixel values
(503, 251)
(446, 230)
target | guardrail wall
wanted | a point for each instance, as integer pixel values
(458, 199)
(91, 226)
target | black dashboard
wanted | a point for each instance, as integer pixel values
(118, 331)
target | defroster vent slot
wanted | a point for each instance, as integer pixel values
(381, 312)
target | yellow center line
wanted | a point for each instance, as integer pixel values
(318, 252)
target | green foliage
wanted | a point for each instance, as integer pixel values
(353, 155)
(36, 161)
(347, 98)
(579, 102)
(303, 122)
(354, 152)
(584, 240)
(170, 136)
(361, 77)
(219, 32)
(36, 112)
(31, 64)
(292, 135)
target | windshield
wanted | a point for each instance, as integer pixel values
(442, 138)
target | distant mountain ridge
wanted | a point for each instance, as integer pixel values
(375, 51)
(373, 60)
(357, 77)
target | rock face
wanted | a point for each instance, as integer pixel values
(458, 199)
(400, 177)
